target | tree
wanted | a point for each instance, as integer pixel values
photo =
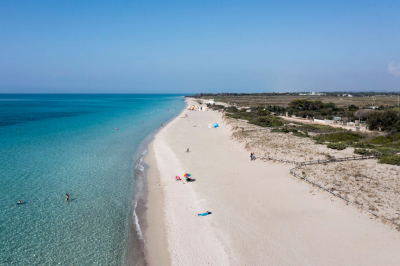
(387, 120)
(363, 114)
(353, 108)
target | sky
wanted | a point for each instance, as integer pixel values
(199, 46)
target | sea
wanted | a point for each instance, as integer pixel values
(89, 146)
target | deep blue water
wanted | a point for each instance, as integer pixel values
(51, 145)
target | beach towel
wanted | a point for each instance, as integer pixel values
(203, 214)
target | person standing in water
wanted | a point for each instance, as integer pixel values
(66, 197)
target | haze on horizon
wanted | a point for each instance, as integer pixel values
(199, 46)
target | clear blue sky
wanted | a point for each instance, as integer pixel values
(199, 46)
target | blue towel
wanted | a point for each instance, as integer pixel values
(203, 214)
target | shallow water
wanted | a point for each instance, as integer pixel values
(51, 145)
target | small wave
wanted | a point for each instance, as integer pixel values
(137, 225)
(139, 165)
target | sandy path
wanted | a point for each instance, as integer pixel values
(261, 214)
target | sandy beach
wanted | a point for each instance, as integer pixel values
(261, 215)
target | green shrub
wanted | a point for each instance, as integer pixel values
(392, 159)
(380, 140)
(342, 136)
(394, 137)
(289, 129)
(319, 127)
(301, 134)
(384, 140)
(337, 145)
(363, 152)
(385, 151)
(362, 145)
(378, 151)
(266, 121)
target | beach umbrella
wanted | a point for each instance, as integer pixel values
(186, 175)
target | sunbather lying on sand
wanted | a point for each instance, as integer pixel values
(204, 214)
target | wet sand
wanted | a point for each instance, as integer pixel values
(150, 212)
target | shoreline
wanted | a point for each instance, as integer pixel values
(150, 214)
(149, 208)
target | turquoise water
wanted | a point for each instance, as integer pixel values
(51, 145)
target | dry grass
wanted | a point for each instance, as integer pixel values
(280, 146)
(374, 186)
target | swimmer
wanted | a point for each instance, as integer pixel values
(161, 124)
(19, 202)
(116, 128)
(66, 197)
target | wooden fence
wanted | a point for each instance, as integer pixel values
(278, 160)
(324, 131)
(352, 158)
(333, 193)
(302, 164)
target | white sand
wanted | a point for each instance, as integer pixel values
(261, 214)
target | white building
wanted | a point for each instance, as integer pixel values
(313, 93)
(211, 101)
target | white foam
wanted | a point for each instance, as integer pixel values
(137, 225)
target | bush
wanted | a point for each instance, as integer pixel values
(380, 140)
(379, 152)
(363, 152)
(300, 134)
(337, 145)
(341, 137)
(362, 145)
(287, 130)
(266, 121)
(385, 151)
(384, 140)
(393, 159)
(318, 127)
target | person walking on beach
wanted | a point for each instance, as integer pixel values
(254, 156)
(161, 124)
(66, 197)
(251, 156)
